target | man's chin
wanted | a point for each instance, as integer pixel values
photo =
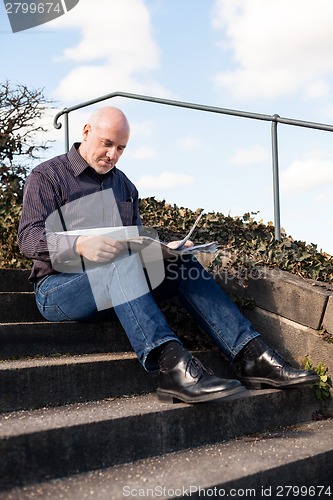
(103, 168)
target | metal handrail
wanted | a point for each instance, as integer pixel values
(274, 119)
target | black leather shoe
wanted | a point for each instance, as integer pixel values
(191, 382)
(270, 369)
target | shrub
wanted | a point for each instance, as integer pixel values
(247, 243)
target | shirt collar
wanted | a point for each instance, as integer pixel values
(77, 162)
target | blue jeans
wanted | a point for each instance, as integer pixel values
(63, 297)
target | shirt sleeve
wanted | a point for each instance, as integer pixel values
(40, 200)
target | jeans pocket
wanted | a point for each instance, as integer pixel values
(46, 290)
(51, 312)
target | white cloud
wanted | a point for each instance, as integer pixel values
(278, 47)
(313, 170)
(324, 198)
(143, 129)
(116, 50)
(250, 156)
(317, 88)
(165, 180)
(143, 153)
(189, 142)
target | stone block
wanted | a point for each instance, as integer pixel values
(328, 316)
(290, 296)
(292, 340)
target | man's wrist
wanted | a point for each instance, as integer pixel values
(76, 246)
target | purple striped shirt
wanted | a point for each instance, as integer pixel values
(58, 182)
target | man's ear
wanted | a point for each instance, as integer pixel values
(86, 130)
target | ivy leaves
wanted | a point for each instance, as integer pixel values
(246, 242)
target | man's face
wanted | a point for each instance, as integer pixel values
(103, 145)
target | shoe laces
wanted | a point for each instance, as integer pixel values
(195, 368)
(278, 357)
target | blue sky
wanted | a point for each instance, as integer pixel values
(265, 56)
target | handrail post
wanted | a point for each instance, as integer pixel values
(66, 131)
(276, 189)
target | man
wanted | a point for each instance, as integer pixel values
(113, 283)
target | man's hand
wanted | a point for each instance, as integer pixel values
(98, 248)
(175, 244)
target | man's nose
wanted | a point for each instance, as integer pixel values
(111, 153)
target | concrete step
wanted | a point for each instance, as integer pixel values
(15, 280)
(45, 338)
(55, 442)
(283, 463)
(58, 380)
(38, 382)
(18, 306)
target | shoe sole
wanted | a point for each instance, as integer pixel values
(174, 397)
(262, 383)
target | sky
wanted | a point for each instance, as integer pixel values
(263, 56)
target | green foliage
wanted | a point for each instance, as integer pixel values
(10, 256)
(322, 388)
(244, 243)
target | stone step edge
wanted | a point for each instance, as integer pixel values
(33, 384)
(58, 380)
(63, 359)
(36, 338)
(83, 437)
(282, 459)
(22, 422)
(283, 293)
(38, 361)
(274, 290)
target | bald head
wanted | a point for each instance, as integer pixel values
(104, 138)
(103, 117)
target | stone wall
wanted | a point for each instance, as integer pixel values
(293, 314)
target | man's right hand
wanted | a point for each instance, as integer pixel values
(98, 248)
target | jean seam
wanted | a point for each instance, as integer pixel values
(154, 346)
(129, 303)
(148, 347)
(232, 352)
(43, 308)
(58, 287)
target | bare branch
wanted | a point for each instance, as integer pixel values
(21, 110)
